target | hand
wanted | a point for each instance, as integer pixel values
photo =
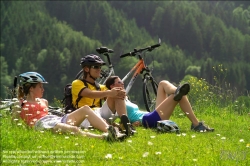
(118, 92)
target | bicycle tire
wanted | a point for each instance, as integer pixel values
(149, 93)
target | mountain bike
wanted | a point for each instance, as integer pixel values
(149, 84)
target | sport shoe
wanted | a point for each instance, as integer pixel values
(201, 127)
(110, 136)
(113, 134)
(181, 91)
(126, 126)
(119, 136)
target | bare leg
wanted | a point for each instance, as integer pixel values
(166, 108)
(117, 105)
(165, 88)
(75, 118)
(187, 109)
(68, 128)
(165, 104)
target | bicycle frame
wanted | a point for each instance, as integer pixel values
(137, 69)
(106, 76)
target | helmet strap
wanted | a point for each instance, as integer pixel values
(90, 75)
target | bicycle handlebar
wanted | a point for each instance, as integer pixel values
(149, 48)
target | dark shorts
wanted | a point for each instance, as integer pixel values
(150, 120)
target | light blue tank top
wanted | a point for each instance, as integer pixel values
(134, 114)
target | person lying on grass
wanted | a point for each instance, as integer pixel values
(168, 96)
(34, 112)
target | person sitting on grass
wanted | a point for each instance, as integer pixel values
(34, 111)
(168, 96)
(114, 105)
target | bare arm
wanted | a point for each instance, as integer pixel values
(114, 93)
(45, 101)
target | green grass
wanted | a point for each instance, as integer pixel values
(228, 145)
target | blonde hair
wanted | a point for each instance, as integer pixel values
(24, 90)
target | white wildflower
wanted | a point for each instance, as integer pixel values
(17, 106)
(129, 141)
(241, 140)
(150, 143)
(108, 156)
(145, 154)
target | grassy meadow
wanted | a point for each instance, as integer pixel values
(228, 145)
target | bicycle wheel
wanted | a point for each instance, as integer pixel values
(149, 93)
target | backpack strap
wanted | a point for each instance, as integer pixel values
(97, 86)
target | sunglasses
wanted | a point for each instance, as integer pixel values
(96, 67)
(120, 82)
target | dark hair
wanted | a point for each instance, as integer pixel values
(110, 81)
(24, 89)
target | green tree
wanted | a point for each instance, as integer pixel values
(5, 79)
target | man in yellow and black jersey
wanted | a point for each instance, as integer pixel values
(114, 106)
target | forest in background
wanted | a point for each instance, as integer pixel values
(50, 37)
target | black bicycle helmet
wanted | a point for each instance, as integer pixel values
(91, 59)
